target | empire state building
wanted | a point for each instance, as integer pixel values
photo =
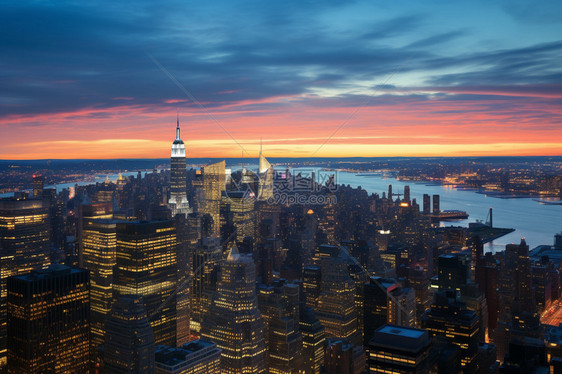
(178, 190)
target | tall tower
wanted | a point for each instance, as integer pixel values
(178, 177)
(99, 243)
(234, 321)
(146, 265)
(129, 343)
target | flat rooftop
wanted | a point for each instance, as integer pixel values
(401, 331)
(399, 338)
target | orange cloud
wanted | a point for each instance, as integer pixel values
(292, 127)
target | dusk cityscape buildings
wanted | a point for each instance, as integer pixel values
(240, 282)
(350, 187)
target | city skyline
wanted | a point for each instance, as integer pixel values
(312, 79)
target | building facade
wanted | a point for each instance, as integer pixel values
(234, 321)
(48, 321)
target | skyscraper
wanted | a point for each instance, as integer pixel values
(238, 211)
(38, 185)
(436, 205)
(234, 321)
(450, 319)
(396, 349)
(279, 305)
(214, 177)
(453, 271)
(99, 243)
(129, 342)
(48, 321)
(426, 204)
(146, 263)
(336, 307)
(265, 173)
(376, 305)
(206, 256)
(24, 246)
(313, 338)
(178, 177)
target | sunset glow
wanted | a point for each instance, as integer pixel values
(379, 85)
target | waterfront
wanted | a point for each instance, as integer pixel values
(536, 222)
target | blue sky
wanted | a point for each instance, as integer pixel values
(88, 61)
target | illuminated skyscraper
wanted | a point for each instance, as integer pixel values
(234, 321)
(214, 177)
(313, 339)
(38, 185)
(24, 246)
(206, 256)
(265, 173)
(146, 262)
(238, 210)
(450, 319)
(336, 307)
(178, 177)
(48, 321)
(129, 342)
(279, 305)
(99, 243)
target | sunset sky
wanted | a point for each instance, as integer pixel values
(104, 79)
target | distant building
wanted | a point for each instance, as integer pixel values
(436, 205)
(426, 204)
(407, 194)
(48, 321)
(196, 357)
(129, 342)
(38, 185)
(397, 349)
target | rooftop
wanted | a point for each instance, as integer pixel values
(400, 338)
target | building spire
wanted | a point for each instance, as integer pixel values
(178, 126)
